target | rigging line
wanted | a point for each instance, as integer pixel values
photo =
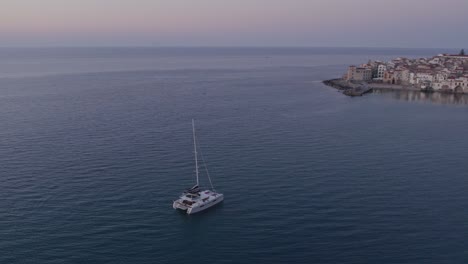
(195, 150)
(204, 165)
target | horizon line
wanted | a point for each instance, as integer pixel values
(218, 46)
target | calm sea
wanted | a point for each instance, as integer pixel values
(95, 143)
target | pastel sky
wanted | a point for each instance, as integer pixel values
(367, 23)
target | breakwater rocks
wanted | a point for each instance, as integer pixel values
(339, 84)
(348, 88)
(361, 88)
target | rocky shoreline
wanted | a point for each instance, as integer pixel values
(350, 88)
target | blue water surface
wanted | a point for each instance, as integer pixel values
(96, 143)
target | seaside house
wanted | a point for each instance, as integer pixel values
(359, 73)
(424, 76)
(389, 77)
(452, 84)
(380, 72)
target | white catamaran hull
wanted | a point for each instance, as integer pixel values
(207, 205)
(198, 206)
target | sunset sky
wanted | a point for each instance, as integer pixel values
(367, 23)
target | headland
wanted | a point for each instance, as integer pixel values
(444, 73)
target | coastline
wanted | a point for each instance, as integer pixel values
(443, 73)
(360, 88)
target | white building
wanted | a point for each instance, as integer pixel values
(451, 84)
(435, 60)
(380, 71)
(424, 77)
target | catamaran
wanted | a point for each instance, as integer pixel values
(195, 200)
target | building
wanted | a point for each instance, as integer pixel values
(459, 85)
(399, 76)
(359, 73)
(420, 77)
(452, 56)
(380, 71)
(389, 77)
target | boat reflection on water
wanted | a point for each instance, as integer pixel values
(437, 98)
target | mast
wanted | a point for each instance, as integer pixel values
(195, 150)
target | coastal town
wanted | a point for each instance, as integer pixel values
(445, 73)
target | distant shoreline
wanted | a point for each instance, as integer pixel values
(443, 73)
(361, 88)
